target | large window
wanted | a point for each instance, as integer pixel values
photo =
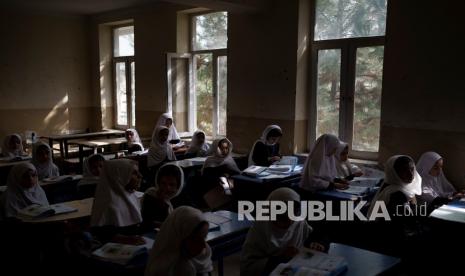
(124, 76)
(347, 55)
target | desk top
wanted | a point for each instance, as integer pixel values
(189, 162)
(361, 261)
(99, 142)
(10, 164)
(84, 209)
(84, 135)
(234, 226)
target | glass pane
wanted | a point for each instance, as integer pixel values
(367, 98)
(222, 94)
(180, 92)
(210, 31)
(337, 19)
(123, 41)
(204, 92)
(328, 92)
(133, 93)
(121, 100)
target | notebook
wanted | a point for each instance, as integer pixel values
(121, 253)
(254, 170)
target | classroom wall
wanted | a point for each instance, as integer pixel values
(44, 69)
(423, 102)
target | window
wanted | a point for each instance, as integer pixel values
(124, 76)
(347, 66)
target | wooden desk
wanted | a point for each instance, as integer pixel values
(64, 138)
(95, 144)
(84, 209)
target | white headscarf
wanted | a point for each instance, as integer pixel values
(166, 256)
(173, 134)
(16, 197)
(433, 186)
(87, 176)
(344, 168)
(152, 191)
(265, 240)
(158, 151)
(135, 138)
(199, 150)
(47, 169)
(392, 184)
(216, 159)
(319, 165)
(263, 140)
(6, 146)
(113, 204)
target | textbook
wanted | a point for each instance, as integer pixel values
(60, 178)
(39, 211)
(121, 253)
(287, 160)
(254, 170)
(310, 262)
(355, 190)
(280, 169)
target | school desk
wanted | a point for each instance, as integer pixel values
(95, 145)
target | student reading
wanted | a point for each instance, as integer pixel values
(160, 151)
(180, 247)
(133, 139)
(22, 190)
(345, 169)
(42, 160)
(12, 146)
(265, 151)
(156, 204)
(269, 243)
(198, 147)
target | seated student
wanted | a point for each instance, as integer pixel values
(91, 175)
(180, 248)
(12, 146)
(22, 190)
(156, 204)
(198, 146)
(221, 162)
(160, 151)
(269, 243)
(42, 160)
(436, 189)
(266, 150)
(134, 142)
(116, 209)
(320, 171)
(166, 119)
(345, 169)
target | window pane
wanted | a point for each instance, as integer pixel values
(121, 100)
(328, 92)
(123, 41)
(133, 93)
(367, 98)
(210, 31)
(337, 19)
(222, 94)
(204, 92)
(180, 92)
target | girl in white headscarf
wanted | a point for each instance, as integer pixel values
(92, 168)
(436, 189)
(156, 204)
(345, 169)
(42, 160)
(22, 190)
(198, 146)
(270, 242)
(265, 151)
(166, 119)
(134, 141)
(12, 146)
(180, 248)
(160, 151)
(116, 208)
(220, 163)
(320, 171)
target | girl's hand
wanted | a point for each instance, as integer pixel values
(317, 246)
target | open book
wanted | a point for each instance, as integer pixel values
(39, 211)
(309, 262)
(287, 160)
(280, 169)
(66, 177)
(254, 170)
(121, 253)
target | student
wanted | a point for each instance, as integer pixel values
(166, 119)
(42, 160)
(91, 175)
(198, 146)
(116, 209)
(156, 204)
(221, 162)
(180, 248)
(266, 150)
(436, 189)
(269, 243)
(160, 151)
(22, 190)
(345, 169)
(320, 171)
(133, 139)
(12, 146)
